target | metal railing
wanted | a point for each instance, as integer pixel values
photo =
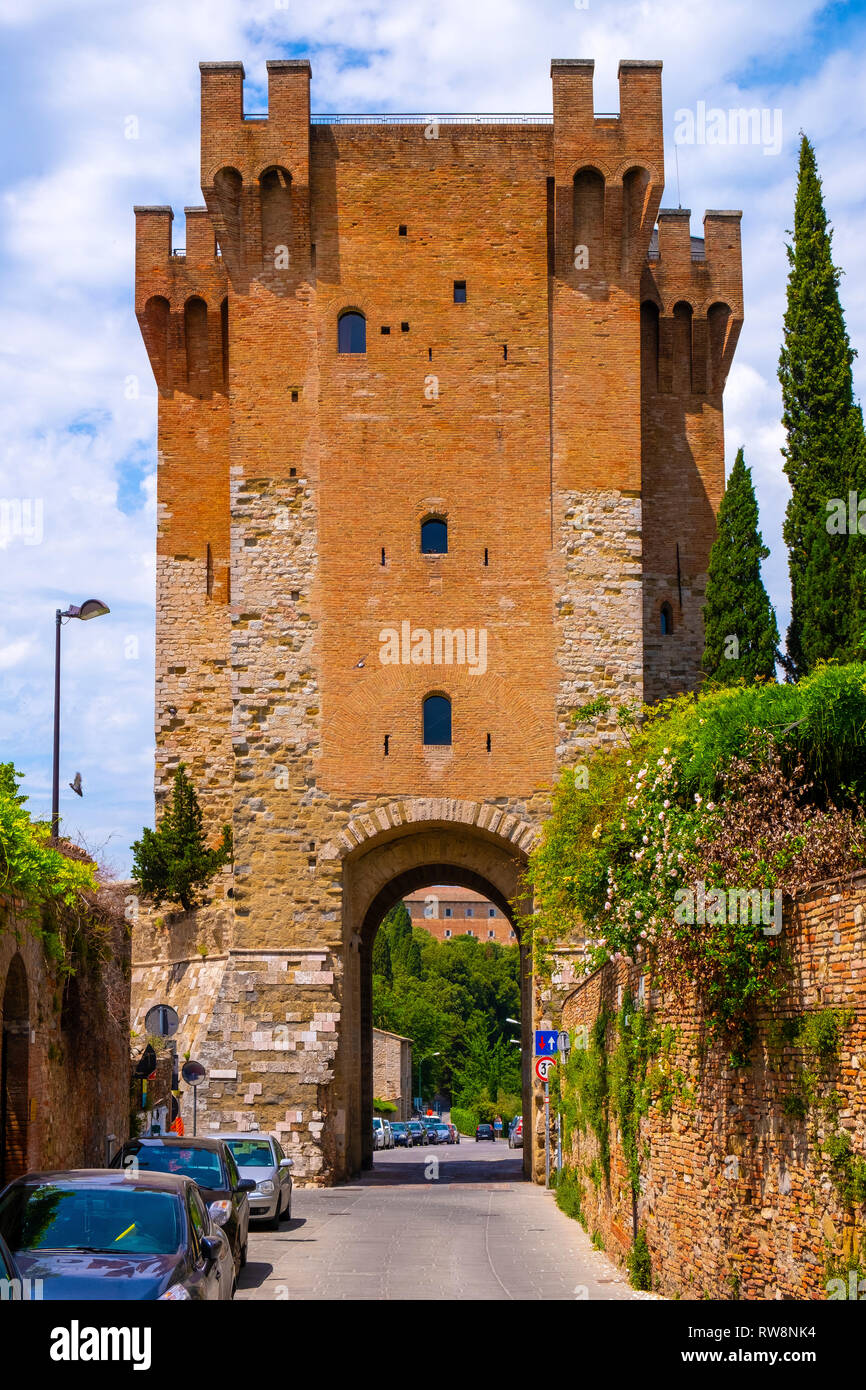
(442, 118)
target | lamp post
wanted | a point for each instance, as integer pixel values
(91, 608)
(421, 1062)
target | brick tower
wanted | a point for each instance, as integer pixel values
(440, 433)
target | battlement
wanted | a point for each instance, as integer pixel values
(695, 287)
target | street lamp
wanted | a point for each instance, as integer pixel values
(421, 1062)
(91, 608)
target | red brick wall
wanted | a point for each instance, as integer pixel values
(76, 1087)
(735, 1194)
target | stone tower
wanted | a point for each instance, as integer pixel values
(440, 415)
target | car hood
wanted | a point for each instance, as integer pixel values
(87, 1275)
(258, 1174)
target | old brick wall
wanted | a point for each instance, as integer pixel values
(392, 1070)
(72, 1077)
(736, 1197)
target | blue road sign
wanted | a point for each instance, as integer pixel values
(546, 1042)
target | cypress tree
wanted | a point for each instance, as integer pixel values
(825, 457)
(173, 862)
(740, 628)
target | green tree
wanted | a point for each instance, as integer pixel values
(741, 635)
(825, 458)
(173, 862)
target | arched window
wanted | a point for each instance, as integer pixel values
(666, 620)
(434, 536)
(195, 327)
(352, 332)
(437, 720)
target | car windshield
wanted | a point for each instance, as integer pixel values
(202, 1165)
(121, 1220)
(251, 1153)
(398, 1127)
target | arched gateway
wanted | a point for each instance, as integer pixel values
(369, 708)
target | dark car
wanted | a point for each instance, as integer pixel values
(485, 1132)
(417, 1132)
(96, 1234)
(431, 1129)
(402, 1134)
(210, 1164)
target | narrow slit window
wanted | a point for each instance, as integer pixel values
(666, 620)
(459, 291)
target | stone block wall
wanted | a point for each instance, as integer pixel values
(392, 1071)
(736, 1196)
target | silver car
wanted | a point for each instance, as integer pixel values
(259, 1157)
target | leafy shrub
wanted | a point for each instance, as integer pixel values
(569, 1192)
(638, 1263)
(750, 787)
(465, 1120)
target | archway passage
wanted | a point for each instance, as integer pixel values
(377, 877)
(14, 1073)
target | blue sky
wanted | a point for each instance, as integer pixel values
(78, 400)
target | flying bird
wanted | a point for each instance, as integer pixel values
(75, 784)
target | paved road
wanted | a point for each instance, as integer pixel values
(447, 1222)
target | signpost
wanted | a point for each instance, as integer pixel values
(543, 1069)
(193, 1074)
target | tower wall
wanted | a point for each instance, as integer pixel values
(293, 482)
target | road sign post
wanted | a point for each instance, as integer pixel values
(543, 1067)
(193, 1074)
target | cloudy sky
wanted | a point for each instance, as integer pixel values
(78, 400)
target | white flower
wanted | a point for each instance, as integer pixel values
(711, 806)
(643, 935)
(638, 914)
(666, 750)
(666, 804)
(646, 839)
(698, 799)
(607, 907)
(661, 815)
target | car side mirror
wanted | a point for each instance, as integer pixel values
(287, 1163)
(211, 1247)
(245, 1185)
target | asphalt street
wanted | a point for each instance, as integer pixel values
(447, 1222)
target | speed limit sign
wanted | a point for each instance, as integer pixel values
(543, 1067)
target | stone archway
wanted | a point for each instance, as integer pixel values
(464, 843)
(14, 1073)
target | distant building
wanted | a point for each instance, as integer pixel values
(446, 912)
(392, 1071)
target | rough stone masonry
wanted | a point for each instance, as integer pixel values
(544, 354)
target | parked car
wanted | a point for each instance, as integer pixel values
(97, 1234)
(443, 1134)
(431, 1128)
(455, 1133)
(485, 1132)
(389, 1137)
(515, 1133)
(378, 1133)
(209, 1163)
(260, 1157)
(403, 1138)
(417, 1132)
